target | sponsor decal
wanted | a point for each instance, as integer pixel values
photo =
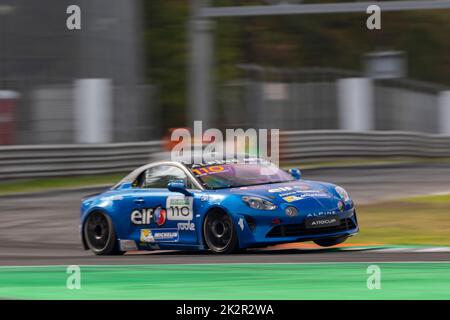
(160, 216)
(186, 226)
(321, 214)
(147, 215)
(179, 208)
(209, 170)
(326, 221)
(306, 193)
(159, 235)
(143, 216)
(241, 223)
(147, 236)
(281, 189)
(292, 198)
(290, 193)
(316, 193)
(127, 245)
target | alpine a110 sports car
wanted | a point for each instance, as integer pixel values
(221, 206)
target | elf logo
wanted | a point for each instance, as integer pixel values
(143, 216)
(160, 216)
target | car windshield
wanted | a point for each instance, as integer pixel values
(222, 175)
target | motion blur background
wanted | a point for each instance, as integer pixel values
(368, 110)
(288, 68)
(137, 68)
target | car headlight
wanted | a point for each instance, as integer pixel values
(258, 203)
(342, 193)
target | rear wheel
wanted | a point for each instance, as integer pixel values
(329, 242)
(220, 235)
(100, 236)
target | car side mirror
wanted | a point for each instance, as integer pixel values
(178, 186)
(296, 173)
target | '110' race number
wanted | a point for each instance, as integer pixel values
(207, 170)
(179, 208)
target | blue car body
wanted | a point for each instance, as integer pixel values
(140, 218)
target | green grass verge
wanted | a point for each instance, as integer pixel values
(419, 220)
(46, 184)
(230, 281)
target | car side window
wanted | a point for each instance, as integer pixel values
(160, 176)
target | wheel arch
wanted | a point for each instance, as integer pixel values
(208, 211)
(85, 218)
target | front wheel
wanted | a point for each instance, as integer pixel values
(329, 242)
(100, 236)
(220, 235)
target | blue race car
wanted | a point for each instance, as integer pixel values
(221, 206)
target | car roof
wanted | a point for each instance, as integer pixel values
(133, 175)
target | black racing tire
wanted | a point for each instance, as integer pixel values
(219, 232)
(329, 242)
(100, 235)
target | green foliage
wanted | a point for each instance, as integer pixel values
(166, 55)
(332, 40)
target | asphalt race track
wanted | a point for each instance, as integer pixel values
(42, 229)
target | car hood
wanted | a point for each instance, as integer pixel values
(295, 192)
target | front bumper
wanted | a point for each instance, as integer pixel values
(257, 233)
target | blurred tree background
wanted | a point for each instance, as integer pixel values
(332, 40)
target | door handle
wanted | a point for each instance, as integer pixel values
(139, 200)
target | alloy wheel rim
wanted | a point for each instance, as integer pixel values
(97, 231)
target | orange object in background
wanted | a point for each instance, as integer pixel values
(168, 144)
(8, 103)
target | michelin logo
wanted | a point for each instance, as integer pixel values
(159, 235)
(147, 236)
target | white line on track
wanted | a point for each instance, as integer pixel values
(230, 263)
